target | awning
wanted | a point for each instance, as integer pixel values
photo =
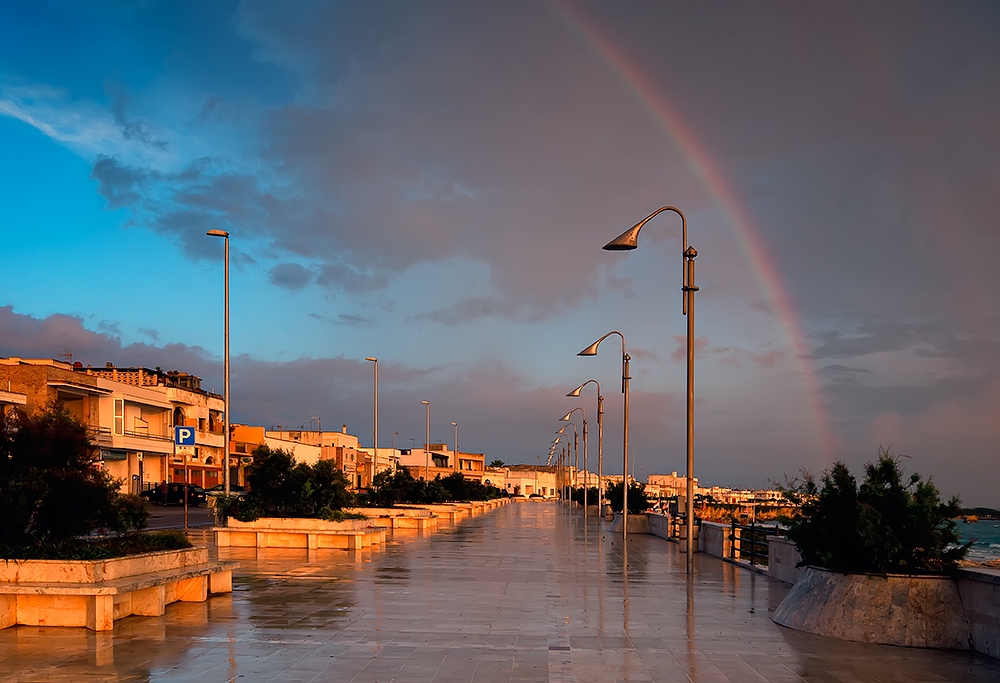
(81, 389)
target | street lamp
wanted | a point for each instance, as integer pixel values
(565, 418)
(394, 435)
(627, 241)
(575, 463)
(225, 424)
(592, 351)
(319, 426)
(374, 361)
(427, 441)
(455, 425)
(600, 440)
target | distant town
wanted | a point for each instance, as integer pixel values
(130, 414)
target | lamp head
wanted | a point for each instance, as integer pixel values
(218, 233)
(590, 350)
(562, 430)
(374, 360)
(576, 392)
(627, 240)
(454, 424)
(426, 403)
(565, 418)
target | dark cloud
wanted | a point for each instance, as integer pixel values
(929, 340)
(290, 276)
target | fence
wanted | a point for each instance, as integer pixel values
(750, 543)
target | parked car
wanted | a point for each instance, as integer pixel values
(173, 494)
(219, 490)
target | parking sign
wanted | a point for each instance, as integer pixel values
(184, 436)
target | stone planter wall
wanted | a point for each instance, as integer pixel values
(95, 593)
(637, 524)
(917, 611)
(293, 532)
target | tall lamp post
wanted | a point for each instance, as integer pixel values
(455, 425)
(627, 241)
(592, 351)
(565, 418)
(427, 441)
(225, 424)
(575, 460)
(600, 440)
(374, 361)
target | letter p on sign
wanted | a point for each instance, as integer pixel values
(184, 436)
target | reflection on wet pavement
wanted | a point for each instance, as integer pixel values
(524, 593)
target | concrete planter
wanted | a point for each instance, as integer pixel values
(399, 518)
(916, 611)
(637, 524)
(295, 532)
(94, 593)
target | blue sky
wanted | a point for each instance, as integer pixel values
(431, 183)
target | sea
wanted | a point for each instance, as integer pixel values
(985, 537)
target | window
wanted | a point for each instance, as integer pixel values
(119, 416)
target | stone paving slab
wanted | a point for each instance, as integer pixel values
(524, 593)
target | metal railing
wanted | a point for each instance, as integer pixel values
(750, 543)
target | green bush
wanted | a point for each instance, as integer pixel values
(51, 484)
(392, 488)
(637, 500)
(97, 548)
(887, 525)
(592, 495)
(280, 487)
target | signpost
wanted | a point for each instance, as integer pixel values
(184, 436)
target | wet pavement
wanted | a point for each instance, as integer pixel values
(523, 593)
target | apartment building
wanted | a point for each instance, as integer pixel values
(339, 446)
(130, 414)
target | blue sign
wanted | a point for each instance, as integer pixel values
(184, 436)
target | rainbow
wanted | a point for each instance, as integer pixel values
(666, 116)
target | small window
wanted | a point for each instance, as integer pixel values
(119, 416)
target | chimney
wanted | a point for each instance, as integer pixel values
(344, 429)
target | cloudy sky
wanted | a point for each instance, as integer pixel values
(431, 183)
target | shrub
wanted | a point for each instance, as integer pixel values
(637, 500)
(280, 487)
(887, 525)
(592, 495)
(51, 484)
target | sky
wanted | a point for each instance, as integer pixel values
(431, 183)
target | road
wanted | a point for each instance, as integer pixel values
(172, 517)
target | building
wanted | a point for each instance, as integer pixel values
(339, 446)
(130, 414)
(526, 480)
(438, 460)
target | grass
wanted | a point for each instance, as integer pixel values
(97, 548)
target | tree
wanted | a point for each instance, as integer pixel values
(51, 485)
(889, 524)
(497, 462)
(637, 500)
(278, 486)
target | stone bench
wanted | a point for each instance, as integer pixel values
(72, 599)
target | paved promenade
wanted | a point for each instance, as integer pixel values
(524, 593)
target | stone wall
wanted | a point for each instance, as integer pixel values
(715, 539)
(979, 589)
(782, 558)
